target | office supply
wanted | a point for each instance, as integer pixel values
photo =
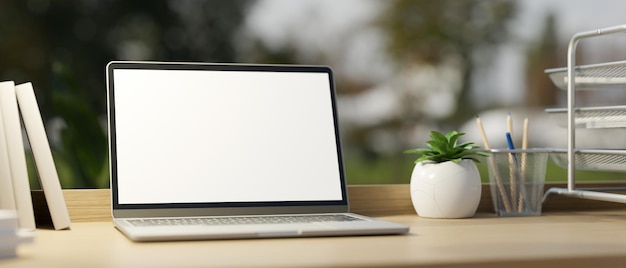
(44, 162)
(517, 176)
(509, 141)
(191, 140)
(513, 169)
(16, 154)
(524, 162)
(574, 78)
(492, 165)
(479, 123)
(592, 159)
(526, 189)
(525, 134)
(591, 117)
(509, 124)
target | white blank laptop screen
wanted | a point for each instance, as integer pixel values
(199, 136)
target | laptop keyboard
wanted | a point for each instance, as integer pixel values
(244, 220)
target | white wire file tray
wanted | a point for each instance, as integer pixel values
(572, 78)
(594, 75)
(591, 117)
(593, 159)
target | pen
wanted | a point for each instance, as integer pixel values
(512, 171)
(509, 141)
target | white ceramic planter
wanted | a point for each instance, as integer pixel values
(446, 190)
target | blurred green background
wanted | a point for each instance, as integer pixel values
(402, 67)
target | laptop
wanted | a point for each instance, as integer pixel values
(227, 151)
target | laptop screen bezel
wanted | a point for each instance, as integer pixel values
(224, 208)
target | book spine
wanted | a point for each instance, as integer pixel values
(17, 156)
(7, 198)
(42, 154)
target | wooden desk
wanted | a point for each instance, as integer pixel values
(556, 239)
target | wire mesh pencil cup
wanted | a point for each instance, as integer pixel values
(517, 179)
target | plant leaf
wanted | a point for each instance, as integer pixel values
(452, 138)
(437, 146)
(437, 136)
(442, 148)
(469, 145)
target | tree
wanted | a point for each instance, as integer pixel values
(63, 46)
(542, 55)
(435, 32)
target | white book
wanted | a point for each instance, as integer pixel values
(7, 198)
(17, 156)
(48, 176)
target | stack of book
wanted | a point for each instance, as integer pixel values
(16, 100)
(10, 236)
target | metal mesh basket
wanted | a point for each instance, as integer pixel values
(509, 162)
(605, 74)
(592, 117)
(605, 160)
(516, 180)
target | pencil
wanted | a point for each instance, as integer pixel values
(509, 124)
(524, 160)
(493, 167)
(482, 133)
(509, 136)
(512, 171)
(525, 134)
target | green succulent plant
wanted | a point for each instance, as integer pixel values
(442, 148)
